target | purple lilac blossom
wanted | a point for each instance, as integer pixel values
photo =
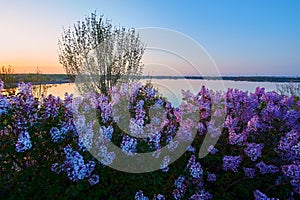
(23, 142)
(159, 197)
(292, 171)
(164, 166)
(231, 162)
(140, 196)
(249, 172)
(258, 195)
(288, 146)
(93, 180)
(253, 150)
(212, 150)
(211, 177)
(196, 171)
(265, 169)
(128, 145)
(202, 196)
(74, 166)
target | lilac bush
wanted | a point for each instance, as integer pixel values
(46, 144)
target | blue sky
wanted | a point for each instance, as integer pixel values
(242, 37)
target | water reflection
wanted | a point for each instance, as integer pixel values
(171, 88)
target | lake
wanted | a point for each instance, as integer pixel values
(171, 88)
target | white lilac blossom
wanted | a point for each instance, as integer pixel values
(23, 142)
(231, 163)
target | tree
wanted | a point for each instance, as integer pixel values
(95, 50)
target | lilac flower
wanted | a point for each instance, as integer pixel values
(258, 195)
(23, 142)
(24, 89)
(56, 168)
(140, 196)
(184, 132)
(178, 194)
(211, 177)
(93, 180)
(212, 150)
(104, 157)
(191, 161)
(231, 162)
(202, 196)
(85, 139)
(164, 166)
(173, 145)
(128, 145)
(179, 182)
(136, 127)
(139, 110)
(107, 132)
(196, 171)
(158, 103)
(264, 169)
(249, 172)
(296, 185)
(4, 104)
(105, 108)
(237, 139)
(253, 150)
(190, 148)
(74, 166)
(288, 146)
(56, 134)
(254, 124)
(292, 171)
(159, 197)
(202, 129)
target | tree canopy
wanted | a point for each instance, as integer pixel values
(98, 55)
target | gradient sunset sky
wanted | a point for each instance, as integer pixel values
(242, 37)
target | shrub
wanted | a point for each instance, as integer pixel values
(44, 153)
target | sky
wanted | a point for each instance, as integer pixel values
(241, 37)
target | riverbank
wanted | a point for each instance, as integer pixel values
(37, 79)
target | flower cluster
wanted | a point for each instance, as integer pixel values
(75, 167)
(23, 142)
(231, 163)
(264, 168)
(253, 150)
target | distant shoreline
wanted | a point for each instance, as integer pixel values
(63, 78)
